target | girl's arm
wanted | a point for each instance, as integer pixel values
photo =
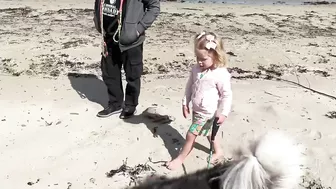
(188, 90)
(225, 94)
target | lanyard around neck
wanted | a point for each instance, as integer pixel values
(119, 22)
(121, 6)
(101, 15)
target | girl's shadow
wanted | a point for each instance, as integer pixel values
(172, 139)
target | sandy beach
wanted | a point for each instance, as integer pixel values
(282, 59)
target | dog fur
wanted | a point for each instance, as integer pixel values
(272, 161)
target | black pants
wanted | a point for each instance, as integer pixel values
(132, 62)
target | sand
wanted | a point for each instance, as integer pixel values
(51, 90)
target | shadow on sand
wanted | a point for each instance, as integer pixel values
(89, 86)
(172, 139)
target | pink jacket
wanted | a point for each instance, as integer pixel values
(210, 94)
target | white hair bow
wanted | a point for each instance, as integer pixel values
(200, 35)
(211, 44)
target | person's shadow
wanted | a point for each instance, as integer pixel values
(172, 139)
(89, 86)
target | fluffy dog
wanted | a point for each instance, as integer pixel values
(272, 161)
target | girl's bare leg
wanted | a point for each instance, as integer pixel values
(175, 163)
(218, 152)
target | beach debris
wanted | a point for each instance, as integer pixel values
(158, 115)
(3, 120)
(74, 113)
(313, 44)
(274, 72)
(331, 114)
(181, 54)
(81, 75)
(162, 69)
(322, 60)
(48, 123)
(323, 73)
(272, 94)
(157, 162)
(57, 64)
(273, 69)
(32, 183)
(135, 173)
(92, 180)
(318, 3)
(279, 2)
(311, 183)
(333, 55)
(69, 185)
(301, 69)
(240, 71)
(231, 53)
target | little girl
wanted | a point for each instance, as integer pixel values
(209, 90)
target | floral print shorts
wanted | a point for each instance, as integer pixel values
(201, 125)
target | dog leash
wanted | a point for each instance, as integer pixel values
(215, 127)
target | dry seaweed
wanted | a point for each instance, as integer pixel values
(331, 114)
(32, 183)
(273, 69)
(238, 70)
(275, 72)
(323, 73)
(133, 172)
(318, 3)
(157, 162)
(311, 183)
(57, 65)
(231, 53)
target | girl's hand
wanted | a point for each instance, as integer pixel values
(185, 110)
(221, 119)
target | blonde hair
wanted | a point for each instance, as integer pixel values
(214, 45)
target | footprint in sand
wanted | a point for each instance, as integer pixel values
(314, 134)
(269, 109)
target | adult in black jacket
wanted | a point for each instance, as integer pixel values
(124, 23)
